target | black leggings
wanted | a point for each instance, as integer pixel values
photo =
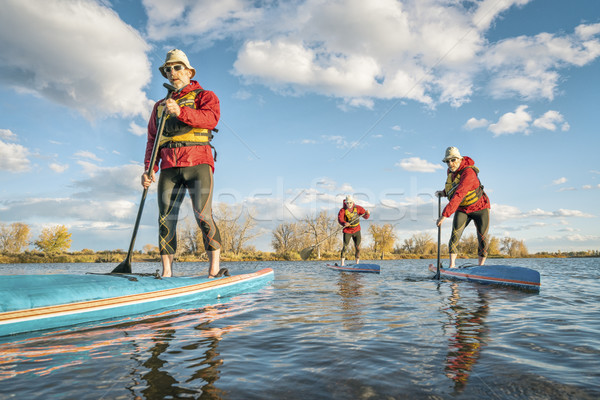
(172, 184)
(356, 238)
(482, 223)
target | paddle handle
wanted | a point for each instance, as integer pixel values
(161, 126)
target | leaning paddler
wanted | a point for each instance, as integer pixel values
(467, 201)
(349, 216)
(186, 159)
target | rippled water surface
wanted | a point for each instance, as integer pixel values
(320, 334)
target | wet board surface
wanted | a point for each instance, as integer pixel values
(365, 268)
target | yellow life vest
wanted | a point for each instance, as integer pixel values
(452, 184)
(352, 216)
(179, 134)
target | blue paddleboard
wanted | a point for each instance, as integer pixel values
(522, 277)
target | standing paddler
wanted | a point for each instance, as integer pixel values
(468, 202)
(186, 159)
(349, 216)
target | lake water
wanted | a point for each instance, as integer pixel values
(319, 334)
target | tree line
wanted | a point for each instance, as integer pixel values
(288, 239)
(16, 237)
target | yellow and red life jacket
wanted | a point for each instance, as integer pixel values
(452, 184)
(179, 134)
(352, 217)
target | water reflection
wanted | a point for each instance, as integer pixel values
(155, 343)
(350, 291)
(467, 333)
(160, 383)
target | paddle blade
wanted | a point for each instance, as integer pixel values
(123, 268)
(437, 273)
(305, 253)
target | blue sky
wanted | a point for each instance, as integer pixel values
(319, 98)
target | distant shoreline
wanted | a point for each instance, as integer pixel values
(118, 256)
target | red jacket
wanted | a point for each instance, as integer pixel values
(468, 181)
(342, 219)
(206, 115)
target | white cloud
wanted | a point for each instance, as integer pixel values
(430, 51)
(14, 157)
(341, 142)
(108, 182)
(474, 123)
(87, 154)
(550, 120)
(417, 164)
(242, 95)
(136, 129)
(220, 19)
(512, 122)
(538, 212)
(74, 53)
(582, 238)
(559, 181)
(519, 121)
(528, 66)
(505, 212)
(58, 168)
(62, 209)
(560, 213)
(7, 134)
(572, 213)
(586, 32)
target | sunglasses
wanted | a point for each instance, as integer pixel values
(177, 67)
(448, 161)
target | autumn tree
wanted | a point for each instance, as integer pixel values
(333, 232)
(189, 238)
(513, 247)
(286, 237)
(150, 249)
(493, 246)
(235, 231)
(53, 240)
(468, 244)
(384, 238)
(14, 237)
(420, 243)
(408, 246)
(321, 230)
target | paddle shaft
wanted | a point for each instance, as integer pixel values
(155, 149)
(439, 238)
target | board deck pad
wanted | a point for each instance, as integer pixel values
(365, 268)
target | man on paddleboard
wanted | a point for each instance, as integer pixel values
(186, 159)
(468, 202)
(349, 216)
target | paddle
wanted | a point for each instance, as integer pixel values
(305, 253)
(437, 274)
(125, 266)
